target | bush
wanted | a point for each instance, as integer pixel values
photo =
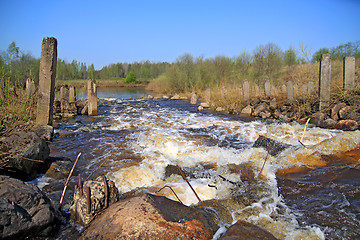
(131, 78)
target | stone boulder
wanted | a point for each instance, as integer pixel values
(335, 111)
(150, 217)
(273, 147)
(23, 155)
(44, 131)
(244, 230)
(347, 125)
(25, 212)
(175, 97)
(79, 209)
(247, 110)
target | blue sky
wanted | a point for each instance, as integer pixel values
(104, 32)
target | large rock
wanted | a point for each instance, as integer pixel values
(347, 125)
(25, 212)
(247, 231)
(150, 217)
(271, 146)
(23, 155)
(335, 111)
(79, 211)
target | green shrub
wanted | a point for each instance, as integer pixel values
(131, 78)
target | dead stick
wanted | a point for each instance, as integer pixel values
(102, 163)
(264, 163)
(68, 179)
(171, 190)
(88, 200)
(182, 174)
(106, 190)
(304, 132)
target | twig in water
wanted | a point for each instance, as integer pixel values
(182, 174)
(88, 200)
(102, 163)
(262, 168)
(300, 141)
(68, 179)
(172, 191)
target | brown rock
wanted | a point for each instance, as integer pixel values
(343, 112)
(347, 125)
(205, 105)
(175, 97)
(149, 217)
(260, 108)
(247, 110)
(317, 118)
(335, 111)
(247, 231)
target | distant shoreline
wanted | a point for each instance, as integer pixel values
(100, 83)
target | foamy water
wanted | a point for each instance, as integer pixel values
(140, 138)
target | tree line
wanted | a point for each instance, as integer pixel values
(186, 73)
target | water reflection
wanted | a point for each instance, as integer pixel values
(114, 92)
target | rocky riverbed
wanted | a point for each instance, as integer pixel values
(135, 214)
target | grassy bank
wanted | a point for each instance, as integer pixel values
(116, 82)
(226, 92)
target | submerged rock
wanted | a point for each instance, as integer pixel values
(271, 146)
(248, 231)
(25, 212)
(24, 155)
(150, 217)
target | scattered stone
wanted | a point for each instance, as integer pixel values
(44, 131)
(16, 151)
(165, 97)
(150, 97)
(260, 108)
(248, 231)
(317, 118)
(175, 97)
(335, 111)
(79, 210)
(347, 125)
(205, 104)
(150, 217)
(25, 212)
(328, 123)
(220, 109)
(247, 110)
(200, 108)
(343, 112)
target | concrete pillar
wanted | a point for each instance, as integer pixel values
(47, 74)
(246, 90)
(324, 80)
(290, 91)
(283, 89)
(267, 88)
(72, 94)
(349, 73)
(240, 93)
(92, 98)
(274, 91)
(64, 98)
(30, 87)
(208, 95)
(193, 99)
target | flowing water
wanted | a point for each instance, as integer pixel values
(136, 143)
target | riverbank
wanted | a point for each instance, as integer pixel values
(82, 83)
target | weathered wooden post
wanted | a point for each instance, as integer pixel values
(92, 98)
(267, 88)
(324, 80)
(246, 90)
(72, 94)
(349, 73)
(47, 74)
(290, 91)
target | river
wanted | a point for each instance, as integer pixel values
(135, 142)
